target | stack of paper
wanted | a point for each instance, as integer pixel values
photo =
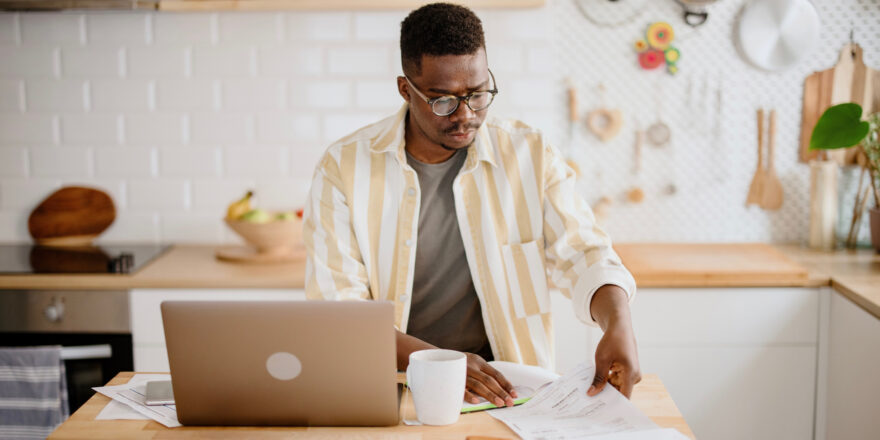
(562, 410)
(131, 397)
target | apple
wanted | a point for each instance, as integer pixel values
(257, 216)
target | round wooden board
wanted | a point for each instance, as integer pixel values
(249, 255)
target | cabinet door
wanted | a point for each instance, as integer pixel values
(853, 402)
(148, 335)
(739, 392)
(739, 362)
(724, 316)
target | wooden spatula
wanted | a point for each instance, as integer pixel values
(756, 187)
(772, 190)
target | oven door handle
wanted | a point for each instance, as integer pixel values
(102, 351)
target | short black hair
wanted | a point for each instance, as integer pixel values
(438, 29)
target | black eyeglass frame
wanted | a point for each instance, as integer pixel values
(466, 98)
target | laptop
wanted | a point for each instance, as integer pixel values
(282, 363)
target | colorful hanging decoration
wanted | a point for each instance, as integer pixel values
(656, 48)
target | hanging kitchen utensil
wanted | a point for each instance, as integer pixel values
(755, 194)
(717, 138)
(772, 193)
(776, 34)
(611, 13)
(850, 80)
(655, 49)
(695, 11)
(604, 122)
(572, 126)
(636, 194)
(658, 133)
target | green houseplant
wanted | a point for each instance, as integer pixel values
(841, 126)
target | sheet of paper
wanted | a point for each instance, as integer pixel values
(563, 410)
(649, 434)
(133, 395)
(119, 411)
(526, 380)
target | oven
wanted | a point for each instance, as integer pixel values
(92, 326)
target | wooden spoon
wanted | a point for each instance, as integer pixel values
(772, 192)
(755, 188)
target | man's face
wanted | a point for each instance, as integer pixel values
(455, 75)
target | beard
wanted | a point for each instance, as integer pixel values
(458, 128)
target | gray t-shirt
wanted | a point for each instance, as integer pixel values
(445, 309)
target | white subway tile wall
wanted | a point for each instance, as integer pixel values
(11, 95)
(92, 62)
(13, 162)
(55, 94)
(108, 28)
(30, 62)
(67, 161)
(8, 29)
(177, 114)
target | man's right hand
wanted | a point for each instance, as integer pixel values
(482, 379)
(486, 382)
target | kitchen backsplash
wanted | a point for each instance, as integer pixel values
(177, 114)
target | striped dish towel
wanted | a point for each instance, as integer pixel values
(33, 392)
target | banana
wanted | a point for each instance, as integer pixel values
(239, 207)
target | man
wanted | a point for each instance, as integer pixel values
(458, 220)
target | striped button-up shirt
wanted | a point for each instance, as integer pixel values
(520, 217)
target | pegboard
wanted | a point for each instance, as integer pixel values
(710, 165)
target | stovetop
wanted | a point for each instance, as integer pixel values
(121, 259)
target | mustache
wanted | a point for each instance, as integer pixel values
(462, 127)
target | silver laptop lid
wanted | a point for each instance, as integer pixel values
(291, 363)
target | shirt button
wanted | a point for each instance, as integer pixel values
(408, 243)
(411, 191)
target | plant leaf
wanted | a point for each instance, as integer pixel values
(839, 127)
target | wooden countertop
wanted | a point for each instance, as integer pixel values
(650, 396)
(855, 274)
(710, 265)
(182, 267)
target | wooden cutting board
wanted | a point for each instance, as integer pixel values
(850, 80)
(709, 265)
(71, 216)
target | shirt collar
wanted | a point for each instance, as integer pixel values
(392, 139)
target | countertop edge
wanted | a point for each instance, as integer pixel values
(849, 272)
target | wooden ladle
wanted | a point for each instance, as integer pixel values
(772, 194)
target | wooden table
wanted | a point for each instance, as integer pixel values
(650, 396)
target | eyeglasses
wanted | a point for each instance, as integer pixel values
(447, 104)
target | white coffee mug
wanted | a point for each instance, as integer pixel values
(436, 378)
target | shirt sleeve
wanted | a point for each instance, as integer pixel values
(578, 252)
(334, 267)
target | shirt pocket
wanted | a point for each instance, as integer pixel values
(526, 277)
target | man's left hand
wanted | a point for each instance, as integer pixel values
(617, 360)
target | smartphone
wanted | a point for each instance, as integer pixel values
(159, 392)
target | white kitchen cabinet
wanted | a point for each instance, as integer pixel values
(852, 405)
(148, 335)
(738, 362)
